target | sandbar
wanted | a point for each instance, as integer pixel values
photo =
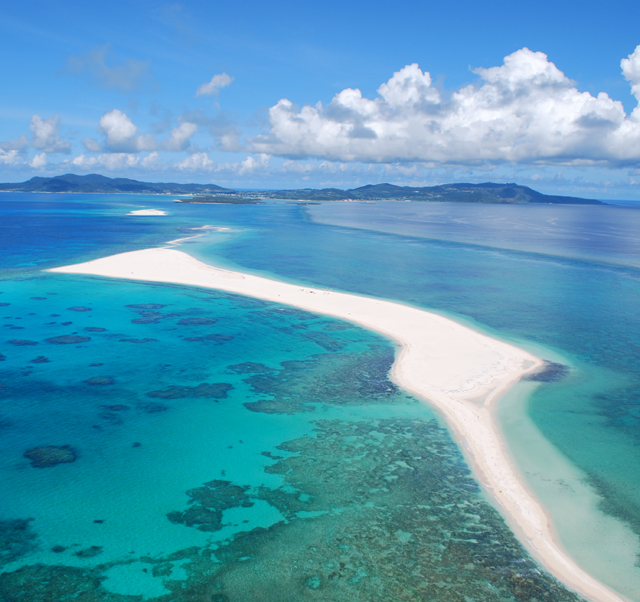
(454, 368)
(147, 212)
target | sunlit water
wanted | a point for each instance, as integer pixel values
(228, 449)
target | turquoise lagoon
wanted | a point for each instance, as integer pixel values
(227, 449)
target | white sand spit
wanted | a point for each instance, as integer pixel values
(147, 212)
(456, 369)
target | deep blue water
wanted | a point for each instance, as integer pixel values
(298, 432)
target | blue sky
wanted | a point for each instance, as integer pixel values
(290, 94)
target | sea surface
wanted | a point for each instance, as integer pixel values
(171, 443)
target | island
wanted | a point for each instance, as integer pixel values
(487, 193)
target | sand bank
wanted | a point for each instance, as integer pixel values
(456, 369)
(147, 212)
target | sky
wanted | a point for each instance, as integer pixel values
(257, 95)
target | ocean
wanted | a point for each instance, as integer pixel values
(170, 443)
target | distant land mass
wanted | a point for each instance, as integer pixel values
(488, 192)
(94, 183)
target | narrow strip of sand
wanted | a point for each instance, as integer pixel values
(456, 369)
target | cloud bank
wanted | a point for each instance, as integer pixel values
(524, 111)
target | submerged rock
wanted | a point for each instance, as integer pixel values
(22, 343)
(210, 390)
(278, 406)
(79, 308)
(17, 538)
(196, 321)
(50, 455)
(94, 329)
(216, 338)
(145, 340)
(100, 380)
(41, 359)
(68, 339)
(145, 306)
(89, 552)
(551, 372)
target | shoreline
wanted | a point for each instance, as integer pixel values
(451, 367)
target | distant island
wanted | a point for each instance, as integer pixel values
(488, 192)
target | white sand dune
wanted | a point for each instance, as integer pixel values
(454, 368)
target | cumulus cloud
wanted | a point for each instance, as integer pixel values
(109, 161)
(120, 135)
(10, 157)
(196, 162)
(201, 162)
(45, 135)
(20, 144)
(39, 161)
(523, 111)
(631, 71)
(212, 88)
(181, 136)
(130, 76)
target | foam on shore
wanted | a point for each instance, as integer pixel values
(456, 369)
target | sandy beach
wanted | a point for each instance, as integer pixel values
(147, 212)
(455, 369)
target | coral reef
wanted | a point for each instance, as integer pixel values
(45, 456)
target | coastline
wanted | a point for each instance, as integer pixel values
(454, 368)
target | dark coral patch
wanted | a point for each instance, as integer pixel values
(17, 538)
(2, 358)
(208, 502)
(79, 308)
(96, 364)
(67, 323)
(550, 373)
(208, 390)
(137, 340)
(4, 304)
(38, 298)
(22, 343)
(196, 321)
(68, 339)
(50, 455)
(118, 407)
(100, 380)
(216, 338)
(89, 552)
(249, 368)
(94, 329)
(277, 406)
(153, 408)
(145, 306)
(41, 359)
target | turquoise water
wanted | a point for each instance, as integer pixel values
(227, 449)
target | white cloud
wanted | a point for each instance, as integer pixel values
(251, 164)
(219, 81)
(130, 76)
(631, 70)
(524, 111)
(121, 135)
(110, 161)
(91, 145)
(39, 161)
(180, 136)
(196, 162)
(19, 144)
(9, 157)
(45, 135)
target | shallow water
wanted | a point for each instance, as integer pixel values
(350, 489)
